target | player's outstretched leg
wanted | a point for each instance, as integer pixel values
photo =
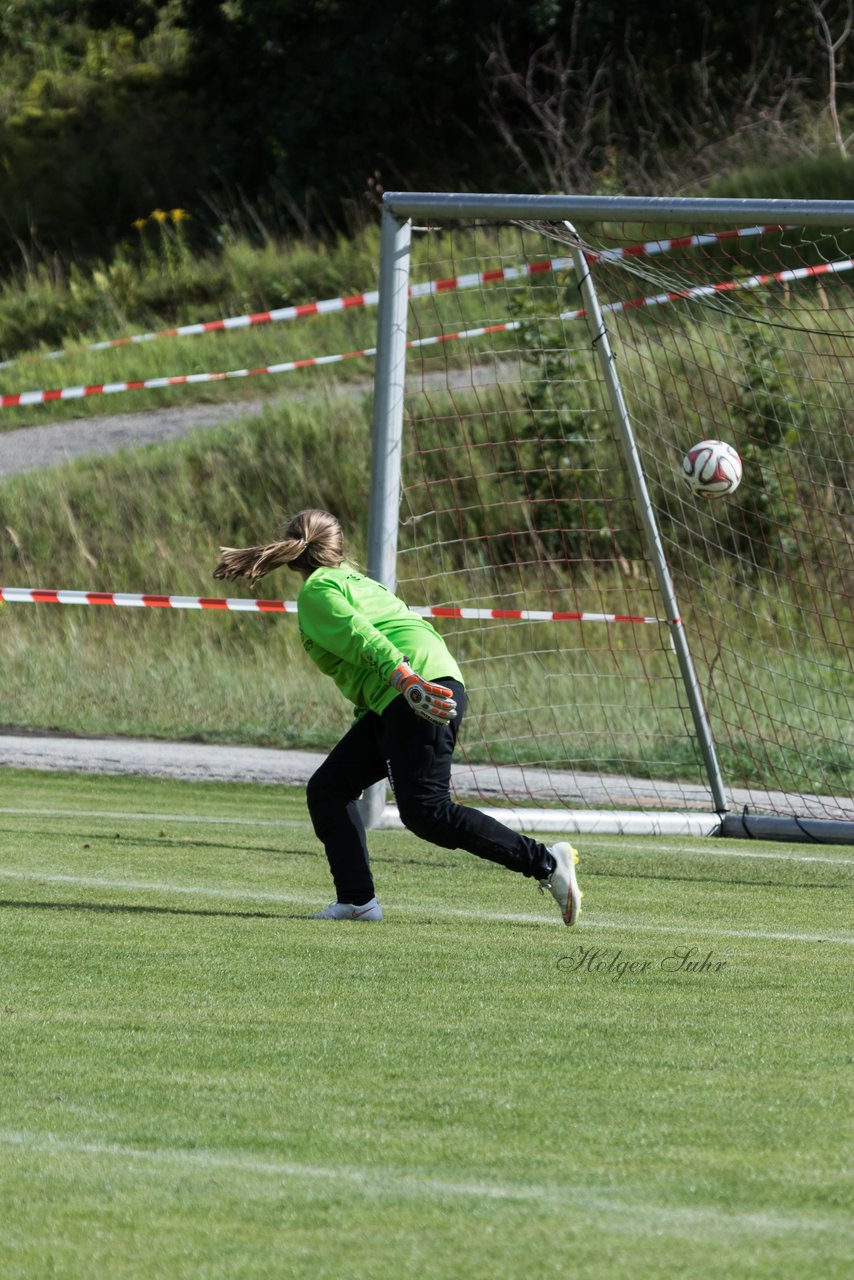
(562, 884)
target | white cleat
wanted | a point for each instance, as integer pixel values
(349, 911)
(562, 883)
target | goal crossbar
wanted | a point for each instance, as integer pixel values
(505, 208)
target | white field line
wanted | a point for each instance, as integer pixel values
(458, 913)
(626, 923)
(159, 886)
(393, 1183)
(593, 843)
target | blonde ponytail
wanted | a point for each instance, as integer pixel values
(312, 540)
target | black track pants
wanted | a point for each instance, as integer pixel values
(415, 755)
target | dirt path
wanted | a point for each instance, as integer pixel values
(31, 448)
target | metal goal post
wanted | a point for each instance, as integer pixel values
(401, 210)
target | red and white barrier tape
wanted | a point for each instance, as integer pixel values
(726, 286)
(427, 289)
(326, 307)
(653, 247)
(127, 600)
(149, 384)
(679, 295)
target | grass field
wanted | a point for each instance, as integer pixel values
(197, 1080)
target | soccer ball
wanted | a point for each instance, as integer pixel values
(712, 469)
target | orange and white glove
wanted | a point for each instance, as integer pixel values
(432, 702)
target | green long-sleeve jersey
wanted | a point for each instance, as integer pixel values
(357, 632)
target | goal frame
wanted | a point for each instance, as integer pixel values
(400, 210)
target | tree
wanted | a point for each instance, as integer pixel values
(312, 96)
(833, 47)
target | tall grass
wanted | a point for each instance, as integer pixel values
(49, 310)
(157, 516)
(157, 278)
(153, 520)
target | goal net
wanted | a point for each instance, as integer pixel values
(521, 529)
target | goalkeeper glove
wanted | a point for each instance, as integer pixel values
(432, 702)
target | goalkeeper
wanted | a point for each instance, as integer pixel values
(409, 699)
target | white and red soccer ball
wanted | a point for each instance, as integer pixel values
(712, 468)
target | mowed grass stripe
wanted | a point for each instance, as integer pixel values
(197, 1077)
(194, 818)
(441, 910)
(402, 1183)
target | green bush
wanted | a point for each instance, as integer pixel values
(829, 176)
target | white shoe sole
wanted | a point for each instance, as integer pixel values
(566, 892)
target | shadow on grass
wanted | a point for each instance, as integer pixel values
(118, 840)
(121, 908)
(725, 878)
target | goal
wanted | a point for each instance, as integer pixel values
(637, 659)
